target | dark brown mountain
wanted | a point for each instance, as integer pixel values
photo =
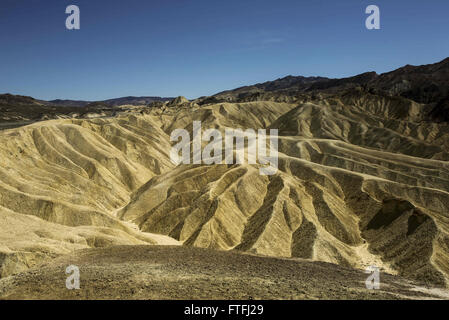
(297, 83)
(69, 103)
(440, 112)
(10, 99)
(427, 84)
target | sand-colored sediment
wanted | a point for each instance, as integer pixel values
(360, 182)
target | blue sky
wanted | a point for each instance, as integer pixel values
(196, 48)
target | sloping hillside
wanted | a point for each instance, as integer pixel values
(363, 180)
(358, 184)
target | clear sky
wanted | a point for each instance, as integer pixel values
(196, 48)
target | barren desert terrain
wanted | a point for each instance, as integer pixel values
(363, 180)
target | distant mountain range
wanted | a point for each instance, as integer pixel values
(423, 84)
(427, 84)
(18, 110)
(130, 100)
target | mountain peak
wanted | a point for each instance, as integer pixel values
(179, 100)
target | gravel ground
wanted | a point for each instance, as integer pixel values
(174, 272)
